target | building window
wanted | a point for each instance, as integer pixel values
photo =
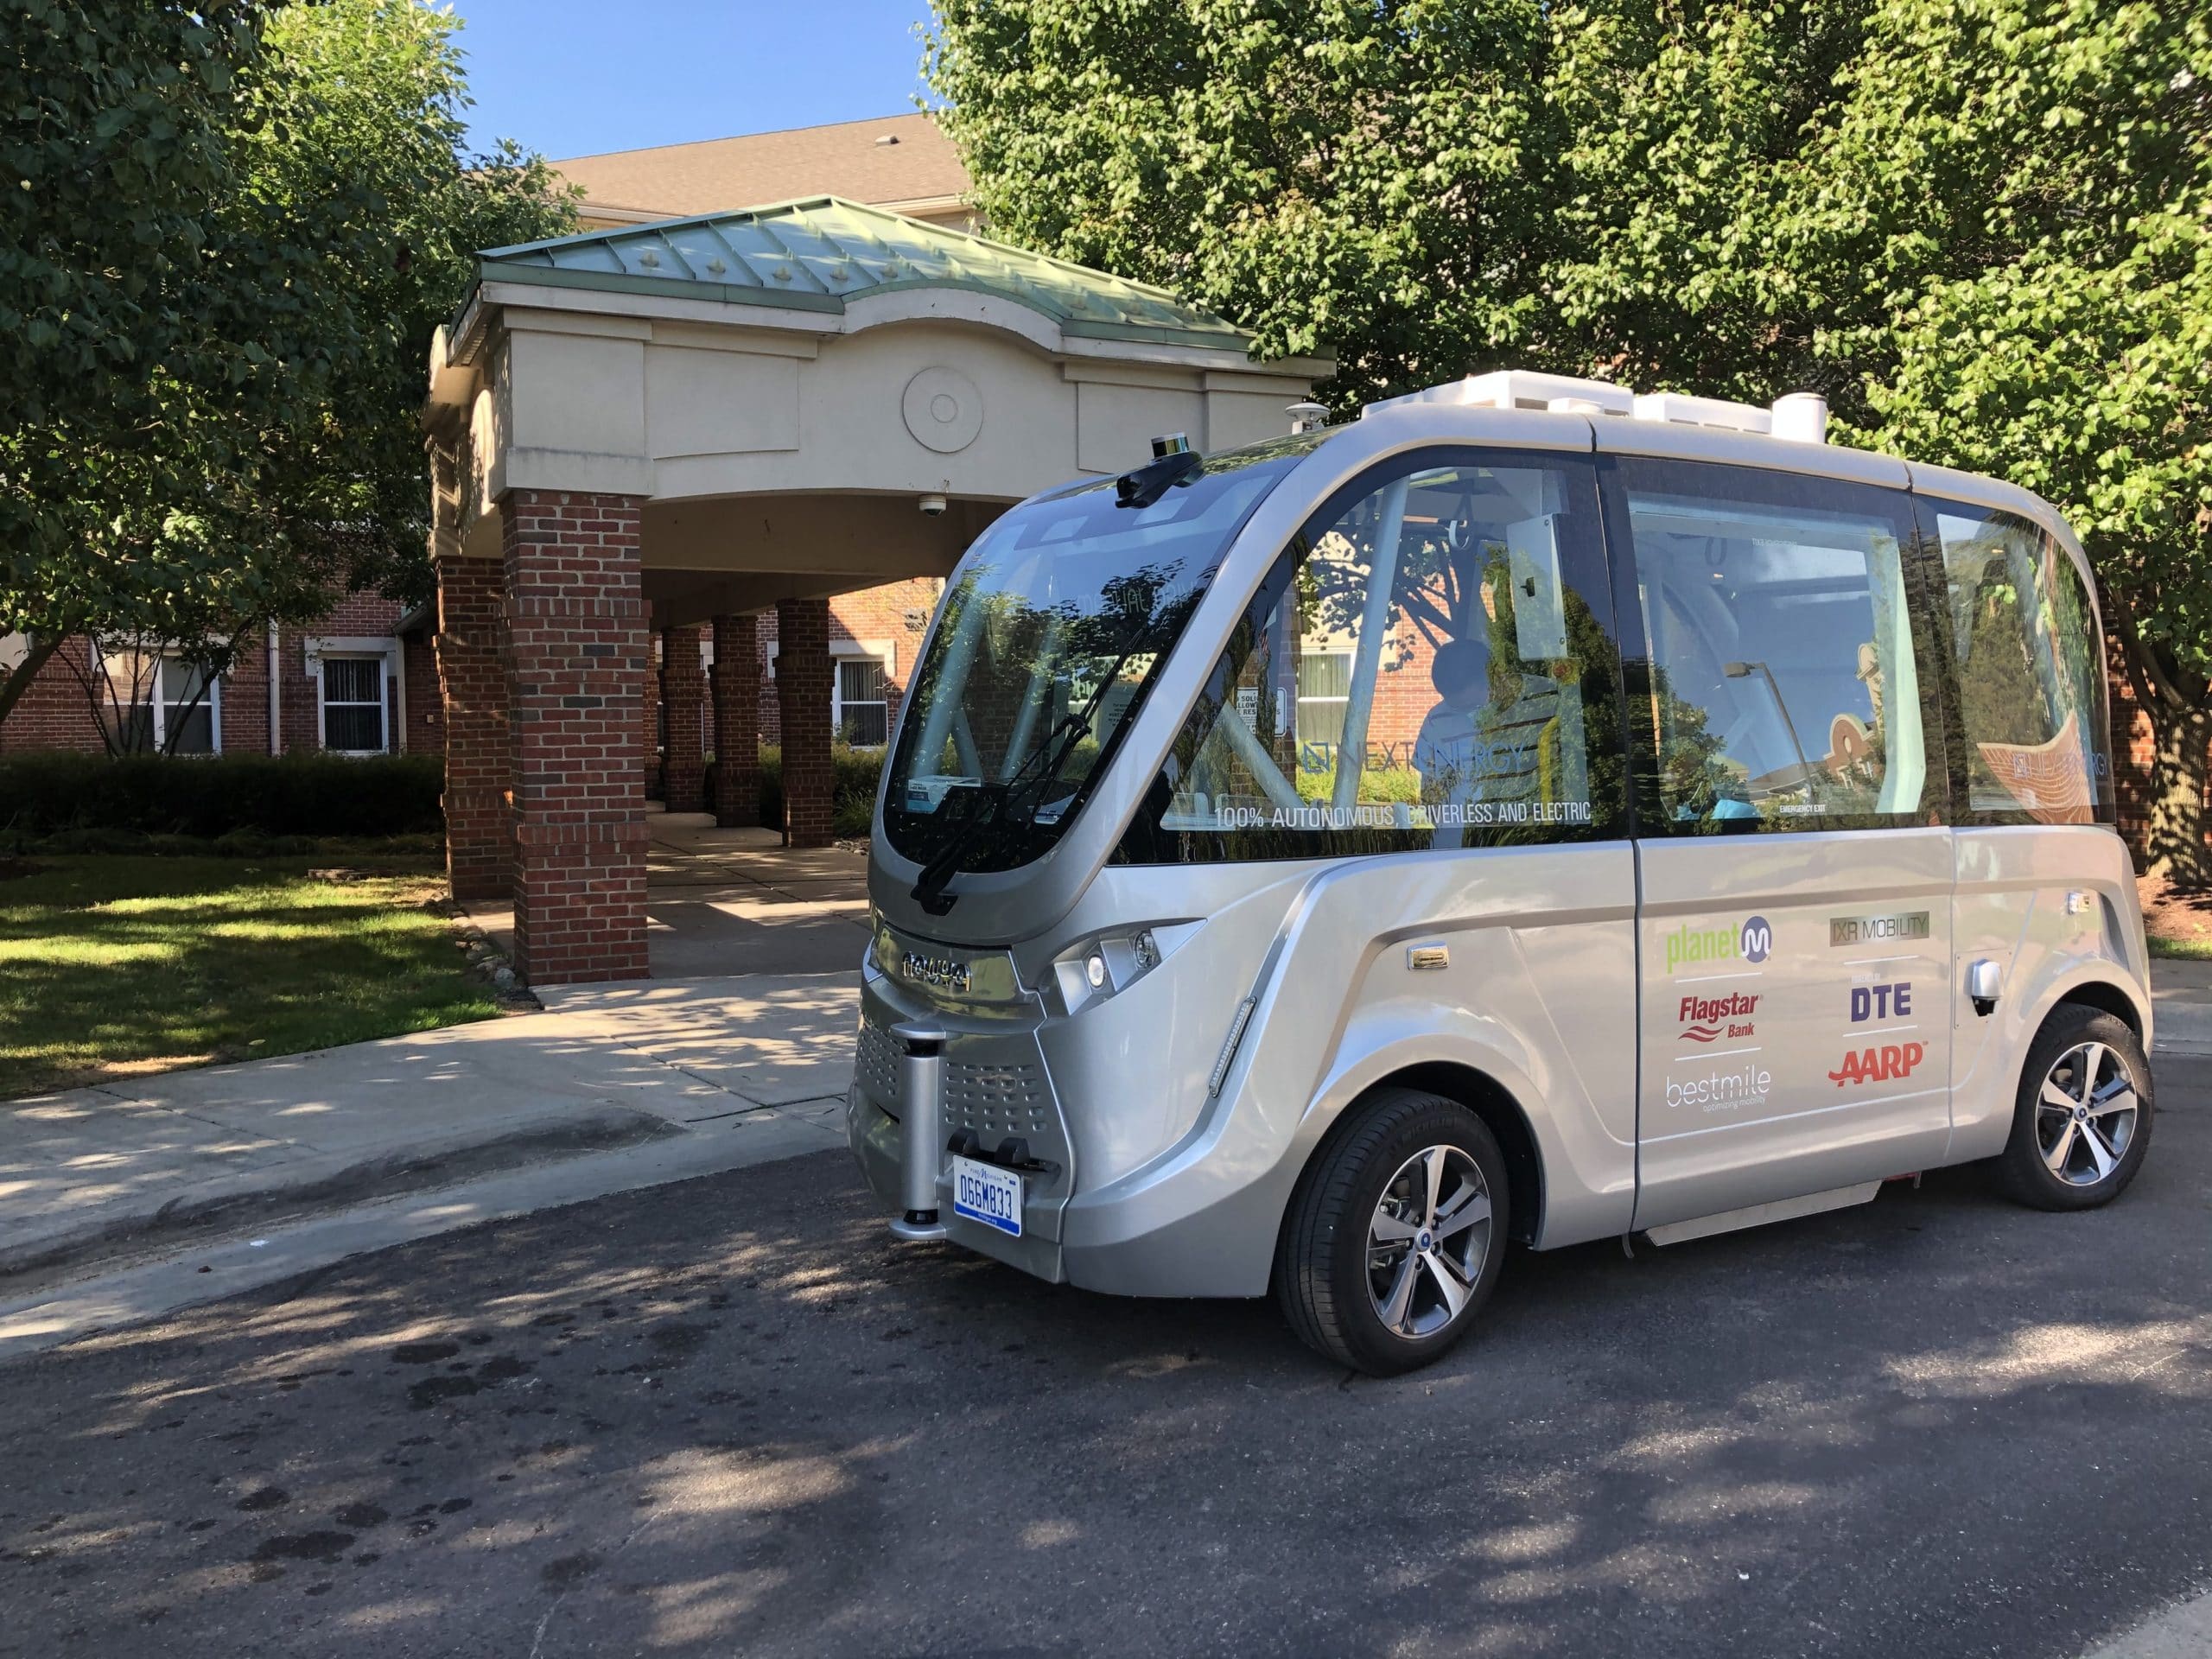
(354, 705)
(187, 699)
(160, 704)
(862, 715)
(1323, 689)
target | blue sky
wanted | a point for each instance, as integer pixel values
(576, 77)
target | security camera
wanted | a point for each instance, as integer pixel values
(933, 506)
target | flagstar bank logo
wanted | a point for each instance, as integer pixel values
(1709, 1019)
(1883, 1064)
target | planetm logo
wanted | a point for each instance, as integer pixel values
(1691, 947)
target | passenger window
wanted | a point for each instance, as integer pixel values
(2030, 663)
(1784, 687)
(1430, 664)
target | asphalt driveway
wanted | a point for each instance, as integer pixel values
(730, 1417)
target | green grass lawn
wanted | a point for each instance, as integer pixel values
(2191, 949)
(112, 967)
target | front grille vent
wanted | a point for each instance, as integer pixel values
(992, 1100)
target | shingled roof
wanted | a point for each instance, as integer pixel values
(900, 162)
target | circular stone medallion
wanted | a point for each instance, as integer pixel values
(943, 410)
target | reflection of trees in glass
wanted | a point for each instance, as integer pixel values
(1694, 776)
(2003, 697)
(2030, 659)
(1057, 655)
(1450, 585)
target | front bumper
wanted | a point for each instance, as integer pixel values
(878, 1144)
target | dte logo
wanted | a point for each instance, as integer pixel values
(1880, 1001)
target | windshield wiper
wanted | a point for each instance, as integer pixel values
(986, 807)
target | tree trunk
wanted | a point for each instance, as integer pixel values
(2179, 821)
(18, 681)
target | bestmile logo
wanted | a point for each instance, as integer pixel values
(1689, 947)
(1722, 1091)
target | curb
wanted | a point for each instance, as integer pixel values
(325, 1180)
(2181, 1026)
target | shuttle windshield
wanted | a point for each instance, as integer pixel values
(1049, 639)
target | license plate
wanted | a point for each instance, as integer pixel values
(985, 1194)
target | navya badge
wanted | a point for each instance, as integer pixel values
(939, 973)
(1876, 930)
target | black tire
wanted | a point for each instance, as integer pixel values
(2041, 1131)
(1322, 1266)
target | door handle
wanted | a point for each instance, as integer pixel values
(1985, 981)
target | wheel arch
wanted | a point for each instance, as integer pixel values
(1488, 1099)
(2103, 994)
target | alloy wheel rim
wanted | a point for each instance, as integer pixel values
(2086, 1114)
(1428, 1242)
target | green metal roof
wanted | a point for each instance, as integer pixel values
(818, 254)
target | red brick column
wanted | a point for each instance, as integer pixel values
(684, 693)
(649, 727)
(575, 676)
(802, 700)
(473, 690)
(737, 722)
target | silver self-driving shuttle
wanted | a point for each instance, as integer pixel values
(1530, 812)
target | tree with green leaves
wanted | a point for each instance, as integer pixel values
(1980, 226)
(237, 224)
(1328, 172)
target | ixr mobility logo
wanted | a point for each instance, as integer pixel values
(1697, 947)
(1877, 929)
(1709, 1019)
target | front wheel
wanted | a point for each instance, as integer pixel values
(1396, 1237)
(2082, 1119)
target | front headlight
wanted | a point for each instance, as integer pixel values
(1099, 968)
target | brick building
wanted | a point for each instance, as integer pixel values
(350, 684)
(697, 484)
(332, 677)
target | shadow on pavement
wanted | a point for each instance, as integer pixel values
(732, 1417)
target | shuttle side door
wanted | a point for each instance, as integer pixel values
(1794, 871)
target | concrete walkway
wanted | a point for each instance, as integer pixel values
(668, 1077)
(602, 1067)
(723, 902)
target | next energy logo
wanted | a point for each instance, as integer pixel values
(1752, 941)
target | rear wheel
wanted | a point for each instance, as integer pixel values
(2083, 1122)
(1396, 1234)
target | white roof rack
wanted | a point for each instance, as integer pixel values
(1521, 389)
(1800, 417)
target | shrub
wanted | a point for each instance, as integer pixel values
(249, 797)
(858, 772)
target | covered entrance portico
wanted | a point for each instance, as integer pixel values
(677, 427)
